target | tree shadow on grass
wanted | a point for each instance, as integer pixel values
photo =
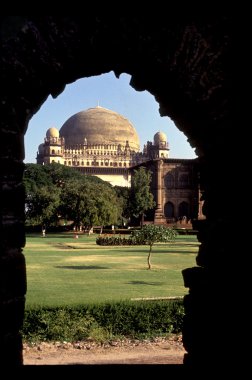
(156, 283)
(80, 267)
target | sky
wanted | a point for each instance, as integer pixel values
(107, 91)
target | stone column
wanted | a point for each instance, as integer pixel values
(159, 214)
(12, 261)
(209, 310)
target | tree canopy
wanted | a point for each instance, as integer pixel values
(89, 203)
(55, 191)
(141, 198)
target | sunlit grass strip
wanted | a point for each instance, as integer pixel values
(63, 271)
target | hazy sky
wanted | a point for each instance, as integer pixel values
(140, 108)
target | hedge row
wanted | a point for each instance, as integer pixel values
(118, 240)
(104, 322)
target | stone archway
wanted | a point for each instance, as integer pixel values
(184, 63)
(169, 210)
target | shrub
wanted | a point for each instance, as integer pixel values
(103, 322)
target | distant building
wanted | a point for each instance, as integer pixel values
(103, 143)
(175, 188)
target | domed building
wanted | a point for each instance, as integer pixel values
(100, 125)
(99, 142)
(103, 143)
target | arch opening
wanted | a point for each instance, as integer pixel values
(184, 64)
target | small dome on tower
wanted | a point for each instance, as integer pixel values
(52, 132)
(160, 137)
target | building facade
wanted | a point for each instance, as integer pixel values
(175, 186)
(99, 142)
(103, 143)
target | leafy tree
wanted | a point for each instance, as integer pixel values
(58, 173)
(42, 205)
(89, 203)
(46, 175)
(123, 194)
(150, 234)
(55, 189)
(141, 198)
(35, 176)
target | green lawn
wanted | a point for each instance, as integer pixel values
(62, 270)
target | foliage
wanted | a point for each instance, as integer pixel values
(103, 322)
(42, 205)
(151, 234)
(115, 240)
(35, 177)
(89, 203)
(55, 191)
(59, 324)
(141, 198)
(123, 194)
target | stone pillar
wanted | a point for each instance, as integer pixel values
(159, 214)
(208, 306)
(12, 261)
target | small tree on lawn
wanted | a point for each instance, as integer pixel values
(150, 234)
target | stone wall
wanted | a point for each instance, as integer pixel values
(184, 62)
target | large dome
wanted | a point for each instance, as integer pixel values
(99, 126)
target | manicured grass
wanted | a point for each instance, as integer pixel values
(62, 270)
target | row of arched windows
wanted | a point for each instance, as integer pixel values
(183, 210)
(183, 181)
(95, 163)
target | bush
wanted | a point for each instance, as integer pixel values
(104, 322)
(115, 240)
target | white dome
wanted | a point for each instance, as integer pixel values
(52, 132)
(160, 137)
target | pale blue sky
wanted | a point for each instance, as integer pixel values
(115, 94)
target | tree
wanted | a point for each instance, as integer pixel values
(123, 194)
(89, 203)
(53, 190)
(141, 198)
(42, 205)
(150, 234)
(35, 177)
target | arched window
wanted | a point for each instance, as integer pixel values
(183, 209)
(169, 181)
(183, 180)
(53, 151)
(169, 210)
